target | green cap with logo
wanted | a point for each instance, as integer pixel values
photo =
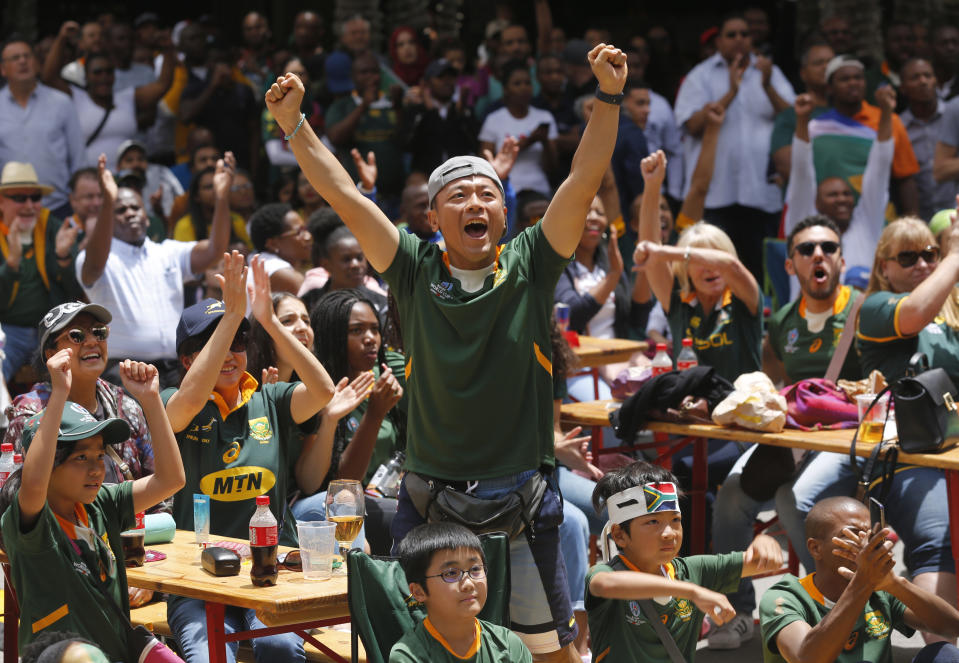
(78, 424)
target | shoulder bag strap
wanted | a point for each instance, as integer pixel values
(652, 615)
(111, 408)
(864, 476)
(96, 132)
(845, 340)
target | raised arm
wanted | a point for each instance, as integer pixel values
(566, 215)
(801, 190)
(142, 382)
(695, 201)
(376, 234)
(101, 238)
(208, 251)
(57, 57)
(639, 585)
(148, 96)
(544, 25)
(659, 275)
(923, 304)
(355, 460)
(316, 387)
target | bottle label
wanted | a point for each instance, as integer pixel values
(140, 524)
(3, 477)
(659, 370)
(376, 478)
(683, 364)
(263, 536)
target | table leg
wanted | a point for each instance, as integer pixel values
(11, 614)
(952, 488)
(700, 479)
(216, 631)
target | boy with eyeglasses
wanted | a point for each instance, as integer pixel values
(446, 568)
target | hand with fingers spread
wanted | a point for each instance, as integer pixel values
(108, 185)
(505, 157)
(615, 257)
(261, 295)
(609, 67)
(572, 450)
(874, 561)
(270, 375)
(232, 282)
(283, 100)
(348, 395)
(66, 239)
(367, 169)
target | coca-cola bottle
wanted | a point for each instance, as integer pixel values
(263, 542)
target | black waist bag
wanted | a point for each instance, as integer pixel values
(512, 513)
(926, 418)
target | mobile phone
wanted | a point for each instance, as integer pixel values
(877, 512)
(542, 126)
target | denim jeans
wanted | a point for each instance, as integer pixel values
(579, 491)
(19, 347)
(574, 544)
(187, 620)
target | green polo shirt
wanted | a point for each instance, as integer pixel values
(56, 585)
(495, 644)
(728, 338)
(793, 599)
(882, 346)
(618, 628)
(234, 456)
(807, 354)
(478, 365)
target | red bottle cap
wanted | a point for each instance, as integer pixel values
(660, 347)
(263, 500)
(687, 342)
(6, 447)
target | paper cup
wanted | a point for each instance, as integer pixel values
(316, 548)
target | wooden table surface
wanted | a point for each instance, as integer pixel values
(293, 599)
(593, 352)
(596, 413)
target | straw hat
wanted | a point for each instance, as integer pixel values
(19, 175)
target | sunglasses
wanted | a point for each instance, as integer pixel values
(909, 258)
(24, 197)
(195, 344)
(452, 574)
(78, 336)
(806, 249)
(291, 561)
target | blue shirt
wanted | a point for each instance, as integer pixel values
(631, 148)
(46, 134)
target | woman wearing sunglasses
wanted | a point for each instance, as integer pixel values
(910, 306)
(84, 328)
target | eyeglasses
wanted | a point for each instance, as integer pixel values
(245, 186)
(78, 336)
(909, 258)
(296, 232)
(193, 345)
(291, 561)
(452, 574)
(24, 197)
(806, 249)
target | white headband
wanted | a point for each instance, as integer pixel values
(632, 503)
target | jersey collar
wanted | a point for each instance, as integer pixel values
(446, 260)
(667, 569)
(473, 650)
(68, 527)
(248, 385)
(845, 292)
(691, 298)
(813, 591)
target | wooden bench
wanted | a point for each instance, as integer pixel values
(153, 617)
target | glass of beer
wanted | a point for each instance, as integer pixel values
(871, 421)
(346, 507)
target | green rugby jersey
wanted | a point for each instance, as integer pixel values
(494, 644)
(478, 365)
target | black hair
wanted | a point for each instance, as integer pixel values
(815, 40)
(285, 176)
(83, 172)
(416, 550)
(549, 56)
(636, 84)
(16, 38)
(914, 58)
(197, 216)
(96, 56)
(635, 474)
(564, 359)
(392, 333)
(730, 16)
(330, 319)
(260, 351)
(510, 67)
(56, 642)
(327, 229)
(810, 222)
(267, 222)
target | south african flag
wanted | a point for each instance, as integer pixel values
(661, 497)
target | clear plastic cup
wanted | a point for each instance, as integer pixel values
(871, 422)
(201, 519)
(317, 546)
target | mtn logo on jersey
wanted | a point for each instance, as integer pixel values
(235, 484)
(260, 430)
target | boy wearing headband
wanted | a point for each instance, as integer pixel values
(646, 582)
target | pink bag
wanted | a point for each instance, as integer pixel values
(629, 381)
(817, 404)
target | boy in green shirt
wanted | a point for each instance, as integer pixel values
(645, 585)
(845, 611)
(446, 568)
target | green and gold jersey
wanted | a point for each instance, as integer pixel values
(235, 455)
(61, 585)
(478, 365)
(794, 599)
(494, 644)
(619, 629)
(806, 354)
(882, 346)
(729, 338)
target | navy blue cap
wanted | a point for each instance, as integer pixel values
(196, 319)
(339, 76)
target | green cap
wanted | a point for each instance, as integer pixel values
(941, 220)
(78, 424)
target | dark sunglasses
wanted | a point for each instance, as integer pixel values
(806, 249)
(291, 561)
(195, 344)
(909, 258)
(78, 336)
(239, 341)
(24, 197)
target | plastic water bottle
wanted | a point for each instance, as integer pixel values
(263, 542)
(687, 356)
(661, 362)
(386, 480)
(6, 462)
(17, 461)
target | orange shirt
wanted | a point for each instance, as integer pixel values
(904, 162)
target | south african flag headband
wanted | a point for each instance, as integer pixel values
(642, 500)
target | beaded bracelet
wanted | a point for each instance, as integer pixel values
(298, 125)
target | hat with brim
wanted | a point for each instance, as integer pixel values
(129, 144)
(200, 317)
(77, 424)
(20, 175)
(59, 317)
(841, 61)
(459, 167)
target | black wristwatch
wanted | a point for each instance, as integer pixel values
(615, 99)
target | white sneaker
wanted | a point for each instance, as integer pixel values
(732, 634)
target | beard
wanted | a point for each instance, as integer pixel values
(825, 290)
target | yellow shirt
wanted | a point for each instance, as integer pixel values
(183, 230)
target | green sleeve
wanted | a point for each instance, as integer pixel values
(778, 608)
(593, 601)
(719, 573)
(877, 317)
(402, 654)
(545, 264)
(37, 539)
(897, 610)
(783, 129)
(115, 501)
(518, 652)
(339, 109)
(401, 273)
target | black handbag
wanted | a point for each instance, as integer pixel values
(926, 416)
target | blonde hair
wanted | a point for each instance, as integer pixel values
(705, 236)
(900, 235)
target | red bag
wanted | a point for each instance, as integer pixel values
(817, 404)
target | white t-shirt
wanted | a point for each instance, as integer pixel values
(528, 172)
(601, 324)
(121, 125)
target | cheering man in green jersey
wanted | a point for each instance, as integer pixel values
(476, 321)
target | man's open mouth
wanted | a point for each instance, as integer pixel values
(476, 229)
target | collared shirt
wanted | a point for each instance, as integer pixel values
(923, 134)
(744, 137)
(45, 134)
(662, 133)
(142, 286)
